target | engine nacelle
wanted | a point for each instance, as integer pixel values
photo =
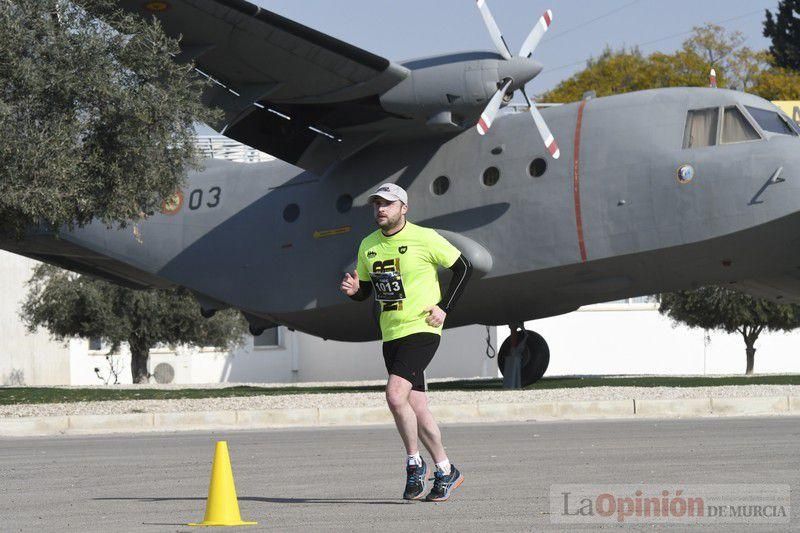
(455, 85)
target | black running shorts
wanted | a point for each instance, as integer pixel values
(409, 356)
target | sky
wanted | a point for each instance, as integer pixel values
(581, 28)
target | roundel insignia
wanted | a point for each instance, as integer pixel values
(685, 173)
(156, 7)
(172, 204)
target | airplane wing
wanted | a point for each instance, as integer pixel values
(286, 89)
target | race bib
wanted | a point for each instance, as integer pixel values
(388, 286)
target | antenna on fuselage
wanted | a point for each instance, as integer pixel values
(712, 79)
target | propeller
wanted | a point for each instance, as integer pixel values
(544, 132)
(524, 68)
(494, 30)
(491, 110)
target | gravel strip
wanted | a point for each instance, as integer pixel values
(375, 399)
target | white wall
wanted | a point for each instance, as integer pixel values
(637, 339)
(25, 358)
(460, 354)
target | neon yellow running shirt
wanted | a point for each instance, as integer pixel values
(402, 268)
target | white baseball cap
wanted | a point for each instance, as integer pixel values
(391, 192)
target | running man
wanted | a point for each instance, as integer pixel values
(398, 263)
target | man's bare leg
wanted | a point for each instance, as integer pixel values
(427, 428)
(397, 396)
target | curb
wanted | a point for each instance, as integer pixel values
(445, 413)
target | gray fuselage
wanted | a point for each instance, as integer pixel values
(608, 220)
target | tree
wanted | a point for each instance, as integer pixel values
(709, 46)
(69, 305)
(717, 308)
(784, 31)
(97, 123)
(611, 73)
(777, 83)
(629, 70)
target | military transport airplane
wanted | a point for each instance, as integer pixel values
(645, 192)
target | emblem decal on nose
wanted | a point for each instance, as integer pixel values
(403, 249)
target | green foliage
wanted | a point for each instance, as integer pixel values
(710, 46)
(727, 310)
(69, 305)
(784, 31)
(717, 308)
(611, 73)
(97, 123)
(778, 83)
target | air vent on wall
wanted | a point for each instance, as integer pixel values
(164, 373)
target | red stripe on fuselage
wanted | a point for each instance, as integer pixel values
(547, 18)
(576, 181)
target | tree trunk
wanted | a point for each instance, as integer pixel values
(140, 353)
(751, 356)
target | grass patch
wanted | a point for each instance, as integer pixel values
(30, 395)
(19, 395)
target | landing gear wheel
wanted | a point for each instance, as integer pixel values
(535, 359)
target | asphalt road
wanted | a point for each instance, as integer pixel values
(351, 479)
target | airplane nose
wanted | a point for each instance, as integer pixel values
(520, 69)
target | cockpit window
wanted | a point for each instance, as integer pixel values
(771, 121)
(736, 128)
(701, 128)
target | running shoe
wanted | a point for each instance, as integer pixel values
(444, 485)
(415, 480)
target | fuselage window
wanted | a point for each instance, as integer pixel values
(344, 203)
(701, 128)
(491, 176)
(440, 185)
(291, 213)
(537, 167)
(771, 121)
(736, 128)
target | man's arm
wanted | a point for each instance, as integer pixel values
(354, 288)
(462, 270)
(364, 291)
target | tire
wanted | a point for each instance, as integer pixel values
(535, 359)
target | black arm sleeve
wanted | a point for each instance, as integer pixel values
(462, 270)
(364, 291)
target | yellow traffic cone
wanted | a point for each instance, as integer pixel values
(222, 508)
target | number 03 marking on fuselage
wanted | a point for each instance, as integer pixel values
(201, 198)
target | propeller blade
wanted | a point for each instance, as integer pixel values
(494, 30)
(544, 131)
(536, 34)
(489, 114)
